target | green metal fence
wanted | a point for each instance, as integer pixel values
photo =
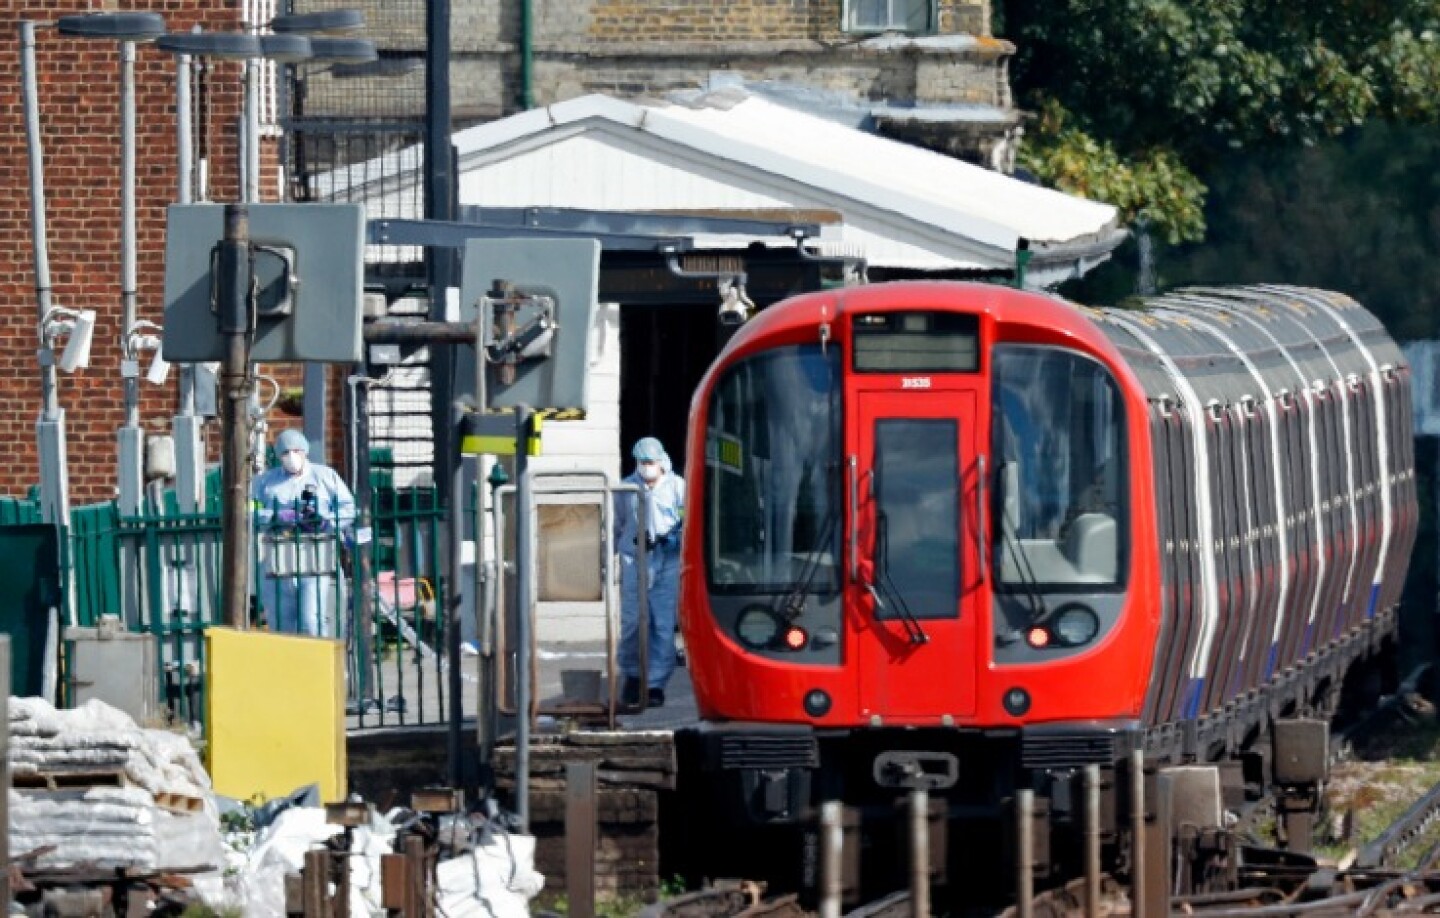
(159, 572)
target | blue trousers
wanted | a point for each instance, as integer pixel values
(300, 605)
(663, 594)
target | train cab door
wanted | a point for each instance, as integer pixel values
(916, 574)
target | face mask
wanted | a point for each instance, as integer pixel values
(293, 462)
(650, 472)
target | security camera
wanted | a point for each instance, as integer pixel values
(159, 370)
(735, 306)
(732, 313)
(77, 349)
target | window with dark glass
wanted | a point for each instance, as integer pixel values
(915, 16)
(1059, 460)
(917, 518)
(916, 342)
(772, 474)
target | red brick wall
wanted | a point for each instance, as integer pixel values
(80, 126)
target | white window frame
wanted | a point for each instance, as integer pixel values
(897, 11)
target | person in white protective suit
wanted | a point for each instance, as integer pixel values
(662, 539)
(300, 497)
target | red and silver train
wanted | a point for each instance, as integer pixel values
(973, 539)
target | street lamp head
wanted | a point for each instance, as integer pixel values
(221, 45)
(343, 51)
(285, 49)
(114, 26)
(319, 22)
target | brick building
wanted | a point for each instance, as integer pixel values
(928, 71)
(79, 93)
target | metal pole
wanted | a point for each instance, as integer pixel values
(40, 241)
(252, 129)
(454, 598)
(1092, 841)
(832, 847)
(483, 609)
(580, 838)
(130, 438)
(920, 853)
(527, 55)
(488, 714)
(233, 307)
(1025, 853)
(525, 602)
(642, 593)
(1137, 833)
(50, 428)
(189, 452)
(185, 163)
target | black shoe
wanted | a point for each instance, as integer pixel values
(630, 693)
(656, 698)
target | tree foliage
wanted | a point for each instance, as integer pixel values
(1154, 90)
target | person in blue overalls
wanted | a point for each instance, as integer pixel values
(662, 539)
(307, 497)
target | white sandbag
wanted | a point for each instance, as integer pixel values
(278, 850)
(496, 880)
(186, 841)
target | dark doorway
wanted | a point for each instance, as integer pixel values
(664, 352)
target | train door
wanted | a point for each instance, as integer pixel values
(916, 532)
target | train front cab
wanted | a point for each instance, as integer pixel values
(908, 562)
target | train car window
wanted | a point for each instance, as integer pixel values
(917, 532)
(1060, 454)
(772, 474)
(916, 342)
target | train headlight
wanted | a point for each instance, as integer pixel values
(1074, 625)
(757, 627)
(796, 638)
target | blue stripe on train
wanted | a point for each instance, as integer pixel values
(1374, 598)
(1271, 660)
(1192, 698)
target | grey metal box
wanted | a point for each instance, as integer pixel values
(117, 667)
(1302, 751)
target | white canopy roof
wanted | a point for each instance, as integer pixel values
(732, 151)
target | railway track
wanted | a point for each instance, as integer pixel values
(1270, 883)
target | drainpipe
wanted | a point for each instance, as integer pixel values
(527, 54)
(1022, 261)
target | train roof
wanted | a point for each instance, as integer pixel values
(1254, 342)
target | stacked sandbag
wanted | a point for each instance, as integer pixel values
(92, 788)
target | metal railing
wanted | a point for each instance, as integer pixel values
(378, 578)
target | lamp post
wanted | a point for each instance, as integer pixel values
(127, 29)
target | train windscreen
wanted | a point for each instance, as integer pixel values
(1059, 465)
(772, 473)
